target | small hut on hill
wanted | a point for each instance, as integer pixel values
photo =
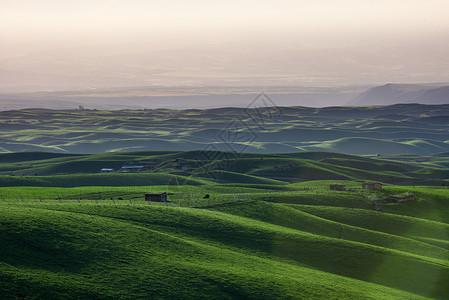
(337, 187)
(372, 186)
(401, 198)
(156, 197)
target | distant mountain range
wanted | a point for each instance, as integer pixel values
(403, 93)
(207, 97)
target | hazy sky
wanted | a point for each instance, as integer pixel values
(38, 22)
(393, 28)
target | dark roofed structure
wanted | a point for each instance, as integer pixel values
(337, 187)
(156, 197)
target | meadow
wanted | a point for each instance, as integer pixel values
(205, 167)
(271, 227)
(281, 244)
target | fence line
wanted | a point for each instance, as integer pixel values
(190, 199)
(190, 202)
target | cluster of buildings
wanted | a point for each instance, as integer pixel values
(365, 186)
(376, 186)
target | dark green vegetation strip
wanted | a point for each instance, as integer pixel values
(205, 167)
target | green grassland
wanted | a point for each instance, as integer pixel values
(208, 167)
(396, 129)
(270, 245)
(271, 228)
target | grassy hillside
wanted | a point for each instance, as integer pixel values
(270, 228)
(244, 249)
(203, 167)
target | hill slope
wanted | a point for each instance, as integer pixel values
(256, 226)
(206, 167)
(266, 129)
(100, 252)
(287, 247)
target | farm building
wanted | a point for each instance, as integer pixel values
(372, 186)
(401, 198)
(156, 197)
(106, 170)
(337, 187)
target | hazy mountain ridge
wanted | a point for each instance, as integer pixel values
(207, 97)
(403, 93)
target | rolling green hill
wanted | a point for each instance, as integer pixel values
(396, 129)
(160, 167)
(245, 249)
(269, 228)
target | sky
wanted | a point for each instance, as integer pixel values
(372, 41)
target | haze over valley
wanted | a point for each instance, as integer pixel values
(54, 45)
